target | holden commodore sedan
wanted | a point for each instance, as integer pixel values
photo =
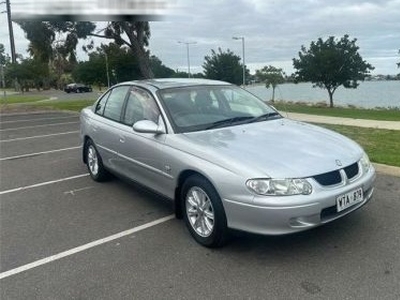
(226, 159)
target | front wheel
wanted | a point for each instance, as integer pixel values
(204, 213)
(94, 163)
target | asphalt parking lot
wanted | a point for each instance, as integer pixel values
(63, 236)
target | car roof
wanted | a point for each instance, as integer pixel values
(164, 83)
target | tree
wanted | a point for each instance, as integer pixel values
(159, 69)
(272, 76)
(2, 55)
(121, 64)
(224, 66)
(135, 35)
(331, 63)
(398, 64)
(2, 66)
(41, 37)
(30, 73)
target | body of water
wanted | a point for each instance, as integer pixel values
(369, 94)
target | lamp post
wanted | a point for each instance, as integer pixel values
(243, 57)
(187, 53)
(11, 32)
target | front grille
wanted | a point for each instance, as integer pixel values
(334, 177)
(329, 178)
(351, 171)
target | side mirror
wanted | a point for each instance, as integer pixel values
(147, 126)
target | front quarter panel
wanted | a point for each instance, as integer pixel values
(228, 183)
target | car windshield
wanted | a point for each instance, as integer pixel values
(207, 107)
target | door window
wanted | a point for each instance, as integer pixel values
(115, 103)
(140, 106)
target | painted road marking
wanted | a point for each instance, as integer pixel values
(73, 192)
(37, 153)
(27, 187)
(37, 136)
(84, 247)
(36, 126)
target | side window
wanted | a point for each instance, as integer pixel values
(140, 106)
(115, 102)
(101, 104)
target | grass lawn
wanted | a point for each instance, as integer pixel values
(381, 145)
(11, 99)
(73, 105)
(354, 113)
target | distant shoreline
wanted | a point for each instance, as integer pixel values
(369, 94)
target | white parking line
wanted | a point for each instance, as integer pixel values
(83, 247)
(36, 126)
(27, 187)
(37, 119)
(37, 136)
(37, 153)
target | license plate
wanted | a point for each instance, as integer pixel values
(349, 199)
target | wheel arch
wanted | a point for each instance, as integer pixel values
(178, 203)
(84, 147)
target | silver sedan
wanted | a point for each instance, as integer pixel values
(226, 159)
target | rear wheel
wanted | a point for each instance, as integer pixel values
(94, 163)
(203, 212)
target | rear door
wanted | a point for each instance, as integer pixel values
(106, 124)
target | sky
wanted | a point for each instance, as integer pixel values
(273, 30)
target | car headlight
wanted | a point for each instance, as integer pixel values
(365, 162)
(279, 187)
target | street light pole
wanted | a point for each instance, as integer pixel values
(243, 57)
(11, 31)
(187, 54)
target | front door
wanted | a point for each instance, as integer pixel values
(141, 154)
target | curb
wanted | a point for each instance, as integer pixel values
(387, 170)
(376, 124)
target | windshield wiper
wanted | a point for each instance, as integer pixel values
(230, 121)
(264, 117)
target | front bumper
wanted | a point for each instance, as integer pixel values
(289, 214)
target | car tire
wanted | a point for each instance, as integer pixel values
(94, 163)
(203, 212)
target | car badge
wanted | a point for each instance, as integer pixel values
(339, 163)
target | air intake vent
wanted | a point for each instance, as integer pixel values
(329, 178)
(351, 171)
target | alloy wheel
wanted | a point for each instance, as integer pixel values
(200, 211)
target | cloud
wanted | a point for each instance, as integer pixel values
(274, 30)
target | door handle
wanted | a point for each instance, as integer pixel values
(121, 139)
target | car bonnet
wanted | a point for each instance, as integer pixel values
(277, 148)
